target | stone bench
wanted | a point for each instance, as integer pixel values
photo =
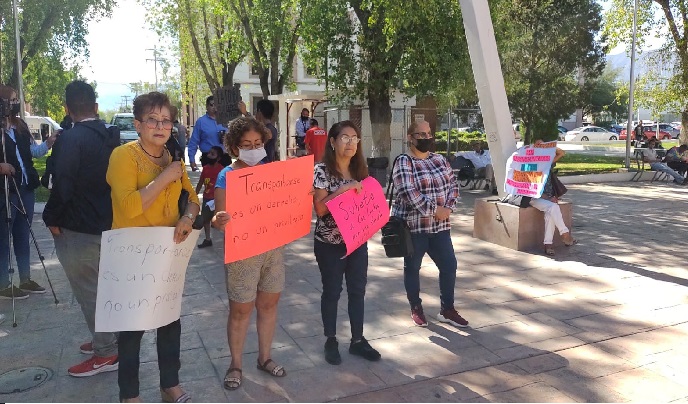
(521, 229)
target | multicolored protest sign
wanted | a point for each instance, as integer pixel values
(528, 168)
(269, 205)
(360, 215)
(141, 278)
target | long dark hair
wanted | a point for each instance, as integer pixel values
(357, 165)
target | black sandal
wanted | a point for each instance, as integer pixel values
(232, 383)
(277, 371)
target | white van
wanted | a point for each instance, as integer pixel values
(41, 127)
(125, 122)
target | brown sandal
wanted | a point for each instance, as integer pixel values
(232, 383)
(277, 371)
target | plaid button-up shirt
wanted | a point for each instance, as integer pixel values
(421, 186)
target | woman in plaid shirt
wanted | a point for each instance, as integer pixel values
(426, 195)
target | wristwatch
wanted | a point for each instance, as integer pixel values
(191, 216)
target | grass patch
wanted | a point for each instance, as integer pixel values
(577, 164)
(42, 192)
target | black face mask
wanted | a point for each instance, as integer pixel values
(14, 109)
(424, 145)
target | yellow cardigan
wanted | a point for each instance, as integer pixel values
(128, 172)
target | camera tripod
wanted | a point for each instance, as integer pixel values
(21, 209)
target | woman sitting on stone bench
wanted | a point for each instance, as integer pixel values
(548, 204)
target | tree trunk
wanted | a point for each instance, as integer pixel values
(228, 73)
(380, 121)
(683, 137)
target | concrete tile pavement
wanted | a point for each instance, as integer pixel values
(605, 320)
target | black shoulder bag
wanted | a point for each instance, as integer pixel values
(396, 235)
(183, 201)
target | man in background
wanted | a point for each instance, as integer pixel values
(206, 134)
(78, 210)
(316, 139)
(482, 161)
(302, 126)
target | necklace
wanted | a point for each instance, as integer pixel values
(155, 157)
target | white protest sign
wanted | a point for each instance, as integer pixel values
(141, 278)
(528, 168)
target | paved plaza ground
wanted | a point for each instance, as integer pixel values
(603, 321)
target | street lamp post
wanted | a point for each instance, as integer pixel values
(20, 80)
(629, 123)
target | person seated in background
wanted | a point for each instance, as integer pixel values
(650, 156)
(482, 162)
(677, 158)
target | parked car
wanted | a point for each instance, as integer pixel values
(586, 133)
(125, 123)
(649, 132)
(667, 127)
(616, 128)
(561, 132)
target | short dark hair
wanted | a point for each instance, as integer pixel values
(145, 103)
(209, 100)
(80, 98)
(266, 108)
(314, 122)
(305, 109)
(357, 165)
(237, 129)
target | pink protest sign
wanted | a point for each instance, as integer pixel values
(360, 215)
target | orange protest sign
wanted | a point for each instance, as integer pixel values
(269, 205)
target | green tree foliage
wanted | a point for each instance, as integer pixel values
(42, 23)
(45, 82)
(206, 37)
(366, 49)
(665, 86)
(545, 47)
(272, 30)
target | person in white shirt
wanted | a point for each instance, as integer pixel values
(481, 161)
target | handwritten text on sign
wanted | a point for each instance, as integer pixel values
(269, 206)
(528, 168)
(360, 215)
(141, 278)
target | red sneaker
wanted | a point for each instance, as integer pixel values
(94, 366)
(418, 317)
(452, 317)
(87, 348)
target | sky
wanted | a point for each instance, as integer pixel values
(119, 47)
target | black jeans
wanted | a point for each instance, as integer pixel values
(168, 344)
(333, 269)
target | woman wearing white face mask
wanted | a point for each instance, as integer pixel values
(256, 281)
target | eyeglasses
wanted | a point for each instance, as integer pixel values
(153, 123)
(251, 146)
(349, 139)
(422, 135)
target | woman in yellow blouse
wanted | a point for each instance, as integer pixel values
(146, 185)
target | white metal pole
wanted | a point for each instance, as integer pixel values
(631, 86)
(482, 48)
(20, 80)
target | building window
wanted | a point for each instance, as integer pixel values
(254, 70)
(310, 72)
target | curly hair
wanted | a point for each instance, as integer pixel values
(237, 129)
(145, 103)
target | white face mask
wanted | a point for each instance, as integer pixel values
(252, 157)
